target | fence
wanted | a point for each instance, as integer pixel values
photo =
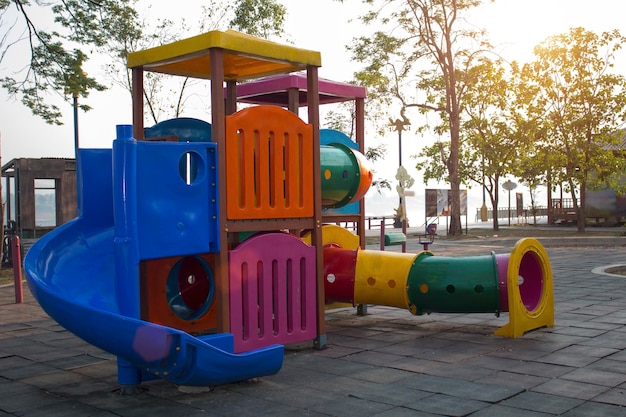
(525, 214)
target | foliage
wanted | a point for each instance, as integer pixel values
(414, 60)
(492, 141)
(113, 27)
(343, 118)
(55, 60)
(579, 106)
(158, 93)
(261, 18)
(374, 154)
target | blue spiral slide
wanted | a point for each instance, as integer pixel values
(84, 273)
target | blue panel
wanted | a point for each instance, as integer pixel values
(177, 199)
(94, 185)
(352, 208)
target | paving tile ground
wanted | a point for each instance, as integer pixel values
(388, 363)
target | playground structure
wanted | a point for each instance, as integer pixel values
(201, 249)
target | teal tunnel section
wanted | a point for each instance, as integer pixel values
(335, 138)
(341, 175)
(458, 285)
(182, 129)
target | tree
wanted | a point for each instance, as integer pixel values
(415, 60)
(531, 165)
(531, 170)
(57, 56)
(489, 144)
(55, 61)
(261, 18)
(166, 96)
(581, 105)
(343, 118)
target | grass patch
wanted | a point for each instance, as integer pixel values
(6, 275)
(617, 270)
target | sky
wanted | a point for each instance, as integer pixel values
(514, 28)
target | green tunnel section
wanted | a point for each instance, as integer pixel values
(341, 175)
(453, 285)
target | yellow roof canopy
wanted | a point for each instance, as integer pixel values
(245, 57)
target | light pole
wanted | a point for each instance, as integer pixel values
(399, 126)
(509, 186)
(75, 104)
(483, 209)
(74, 88)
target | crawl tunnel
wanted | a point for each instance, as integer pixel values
(346, 175)
(342, 183)
(519, 283)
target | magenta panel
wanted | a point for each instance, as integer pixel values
(272, 291)
(273, 90)
(502, 260)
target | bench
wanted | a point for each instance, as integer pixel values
(392, 238)
(395, 238)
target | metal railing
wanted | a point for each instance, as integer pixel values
(505, 212)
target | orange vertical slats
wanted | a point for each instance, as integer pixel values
(269, 164)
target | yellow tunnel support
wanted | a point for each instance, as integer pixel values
(528, 314)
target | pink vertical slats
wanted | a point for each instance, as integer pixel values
(272, 291)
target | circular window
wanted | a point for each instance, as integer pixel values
(190, 288)
(191, 167)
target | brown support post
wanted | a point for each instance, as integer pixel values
(17, 269)
(404, 232)
(137, 95)
(231, 97)
(549, 207)
(360, 140)
(293, 100)
(218, 134)
(359, 104)
(313, 103)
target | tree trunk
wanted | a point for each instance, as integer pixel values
(532, 205)
(580, 209)
(456, 228)
(494, 208)
(496, 221)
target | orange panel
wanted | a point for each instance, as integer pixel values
(178, 292)
(269, 164)
(366, 176)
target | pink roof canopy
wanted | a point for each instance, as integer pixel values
(275, 90)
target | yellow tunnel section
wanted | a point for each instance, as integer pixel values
(381, 278)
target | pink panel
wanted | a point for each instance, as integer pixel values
(502, 260)
(272, 90)
(272, 291)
